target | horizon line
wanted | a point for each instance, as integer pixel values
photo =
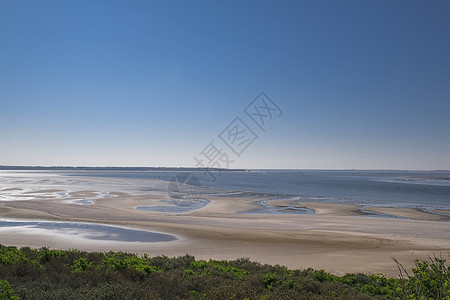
(24, 167)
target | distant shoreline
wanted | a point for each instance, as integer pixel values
(68, 168)
(108, 168)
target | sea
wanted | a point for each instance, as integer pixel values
(426, 190)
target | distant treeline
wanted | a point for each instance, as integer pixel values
(68, 168)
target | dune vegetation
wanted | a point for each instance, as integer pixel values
(44, 273)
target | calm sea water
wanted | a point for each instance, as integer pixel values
(418, 189)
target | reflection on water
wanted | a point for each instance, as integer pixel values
(371, 213)
(83, 202)
(270, 209)
(179, 206)
(90, 231)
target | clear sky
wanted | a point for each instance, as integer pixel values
(361, 84)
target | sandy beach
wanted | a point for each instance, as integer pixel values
(338, 238)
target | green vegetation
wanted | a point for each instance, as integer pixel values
(429, 280)
(56, 274)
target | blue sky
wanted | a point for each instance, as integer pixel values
(362, 84)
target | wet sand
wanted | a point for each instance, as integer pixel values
(442, 211)
(410, 213)
(338, 238)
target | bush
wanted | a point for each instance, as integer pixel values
(72, 274)
(6, 292)
(430, 279)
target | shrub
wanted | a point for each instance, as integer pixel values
(73, 274)
(430, 279)
(6, 292)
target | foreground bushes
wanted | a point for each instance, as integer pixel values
(56, 274)
(429, 280)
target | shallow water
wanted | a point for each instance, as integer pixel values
(176, 207)
(90, 231)
(83, 202)
(266, 208)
